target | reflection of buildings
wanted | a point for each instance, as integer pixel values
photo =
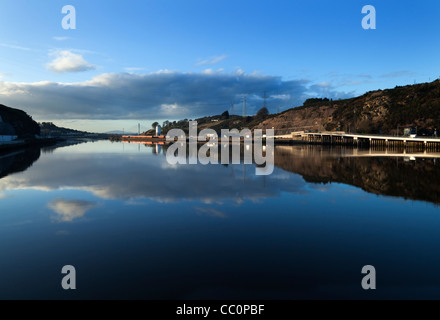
(157, 149)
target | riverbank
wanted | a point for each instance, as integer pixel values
(163, 140)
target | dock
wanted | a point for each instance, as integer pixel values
(368, 140)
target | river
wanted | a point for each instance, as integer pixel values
(136, 227)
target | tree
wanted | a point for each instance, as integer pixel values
(263, 112)
(166, 124)
(155, 124)
(225, 115)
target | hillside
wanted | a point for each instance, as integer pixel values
(48, 129)
(23, 125)
(217, 123)
(381, 111)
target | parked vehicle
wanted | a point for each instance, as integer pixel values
(410, 132)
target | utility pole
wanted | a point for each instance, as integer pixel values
(139, 129)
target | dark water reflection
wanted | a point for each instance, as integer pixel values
(410, 176)
(390, 174)
(135, 226)
(17, 161)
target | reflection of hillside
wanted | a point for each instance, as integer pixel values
(417, 180)
(18, 161)
(136, 173)
(131, 174)
(62, 144)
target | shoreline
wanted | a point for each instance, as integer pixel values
(27, 143)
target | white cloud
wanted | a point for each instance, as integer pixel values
(158, 95)
(211, 60)
(211, 212)
(323, 84)
(69, 210)
(9, 89)
(61, 38)
(239, 72)
(12, 46)
(281, 96)
(67, 61)
(398, 74)
(134, 69)
(173, 109)
(208, 71)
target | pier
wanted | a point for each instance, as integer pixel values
(367, 140)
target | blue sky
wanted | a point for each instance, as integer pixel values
(142, 61)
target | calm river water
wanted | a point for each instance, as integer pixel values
(136, 227)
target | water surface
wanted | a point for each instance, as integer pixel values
(136, 227)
